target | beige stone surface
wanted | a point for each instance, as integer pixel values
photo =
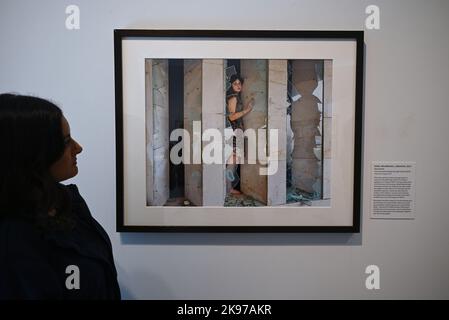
(327, 141)
(160, 134)
(277, 185)
(193, 173)
(277, 119)
(149, 130)
(212, 114)
(255, 87)
(306, 169)
(327, 88)
(327, 128)
(327, 178)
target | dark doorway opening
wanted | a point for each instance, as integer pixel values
(176, 121)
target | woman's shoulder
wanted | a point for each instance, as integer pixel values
(21, 233)
(73, 189)
(231, 96)
(79, 206)
(75, 194)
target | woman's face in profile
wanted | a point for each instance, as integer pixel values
(237, 86)
(65, 167)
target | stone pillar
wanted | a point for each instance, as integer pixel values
(158, 188)
(305, 120)
(149, 131)
(277, 119)
(213, 116)
(255, 86)
(192, 112)
(327, 128)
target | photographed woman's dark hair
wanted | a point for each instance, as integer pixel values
(233, 78)
(31, 140)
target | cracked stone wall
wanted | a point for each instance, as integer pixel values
(305, 120)
(157, 127)
(213, 116)
(255, 86)
(277, 105)
(193, 175)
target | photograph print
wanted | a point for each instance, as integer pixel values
(263, 135)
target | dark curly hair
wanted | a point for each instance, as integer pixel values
(31, 140)
(236, 77)
(233, 78)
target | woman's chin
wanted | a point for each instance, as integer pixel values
(72, 174)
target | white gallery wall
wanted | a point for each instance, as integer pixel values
(406, 114)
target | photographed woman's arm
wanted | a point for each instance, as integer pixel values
(232, 105)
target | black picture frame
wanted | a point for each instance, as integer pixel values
(172, 35)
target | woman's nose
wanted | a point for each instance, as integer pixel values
(78, 147)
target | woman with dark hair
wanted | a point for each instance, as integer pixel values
(51, 246)
(234, 118)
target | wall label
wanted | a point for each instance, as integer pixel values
(393, 190)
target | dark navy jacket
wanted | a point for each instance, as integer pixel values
(33, 264)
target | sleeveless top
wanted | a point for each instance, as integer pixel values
(238, 123)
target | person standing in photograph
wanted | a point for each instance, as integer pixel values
(234, 118)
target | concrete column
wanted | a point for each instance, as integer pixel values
(149, 130)
(158, 134)
(255, 74)
(277, 119)
(327, 128)
(192, 112)
(213, 116)
(306, 168)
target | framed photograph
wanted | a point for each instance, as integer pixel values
(238, 131)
